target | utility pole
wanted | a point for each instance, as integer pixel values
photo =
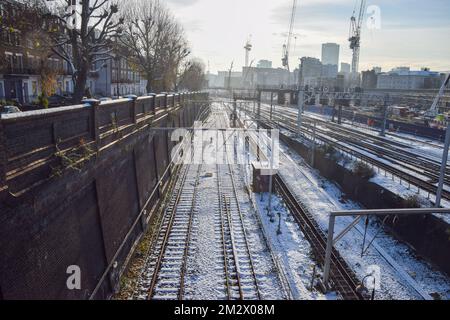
(271, 105)
(234, 112)
(272, 146)
(259, 105)
(340, 114)
(229, 77)
(313, 144)
(385, 114)
(300, 103)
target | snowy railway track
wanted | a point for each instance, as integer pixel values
(240, 270)
(166, 267)
(343, 273)
(343, 278)
(393, 151)
(241, 280)
(410, 178)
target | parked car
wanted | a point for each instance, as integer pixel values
(10, 109)
(57, 100)
(104, 99)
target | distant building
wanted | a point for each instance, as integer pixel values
(223, 76)
(345, 67)
(330, 54)
(329, 71)
(233, 82)
(377, 70)
(310, 71)
(403, 78)
(267, 77)
(264, 64)
(117, 76)
(212, 80)
(369, 79)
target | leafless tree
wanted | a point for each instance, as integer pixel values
(192, 77)
(156, 40)
(82, 33)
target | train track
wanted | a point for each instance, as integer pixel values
(411, 178)
(343, 278)
(379, 146)
(168, 271)
(166, 267)
(240, 278)
(345, 281)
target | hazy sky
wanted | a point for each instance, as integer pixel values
(413, 32)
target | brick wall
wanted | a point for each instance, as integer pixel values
(57, 212)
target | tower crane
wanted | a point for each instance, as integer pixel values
(287, 45)
(434, 110)
(355, 36)
(248, 47)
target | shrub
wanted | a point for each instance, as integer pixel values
(412, 201)
(329, 152)
(43, 101)
(363, 171)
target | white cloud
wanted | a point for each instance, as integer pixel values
(218, 29)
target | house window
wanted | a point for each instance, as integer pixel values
(19, 61)
(2, 92)
(9, 60)
(34, 88)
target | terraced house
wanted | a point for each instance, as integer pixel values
(27, 65)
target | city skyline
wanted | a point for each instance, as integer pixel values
(213, 35)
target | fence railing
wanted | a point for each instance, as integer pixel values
(29, 140)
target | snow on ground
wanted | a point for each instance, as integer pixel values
(291, 247)
(321, 197)
(204, 281)
(395, 185)
(429, 148)
(426, 147)
(403, 274)
(205, 270)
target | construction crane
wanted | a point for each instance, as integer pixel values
(248, 47)
(287, 45)
(247, 72)
(434, 110)
(229, 75)
(355, 36)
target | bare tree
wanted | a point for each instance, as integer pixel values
(193, 76)
(82, 35)
(156, 40)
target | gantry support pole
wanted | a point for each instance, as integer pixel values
(300, 103)
(443, 167)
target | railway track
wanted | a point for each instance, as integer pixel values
(240, 278)
(345, 281)
(343, 278)
(166, 267)
(379, 146)
(409, 177)
(170, 272)
(239, 270)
